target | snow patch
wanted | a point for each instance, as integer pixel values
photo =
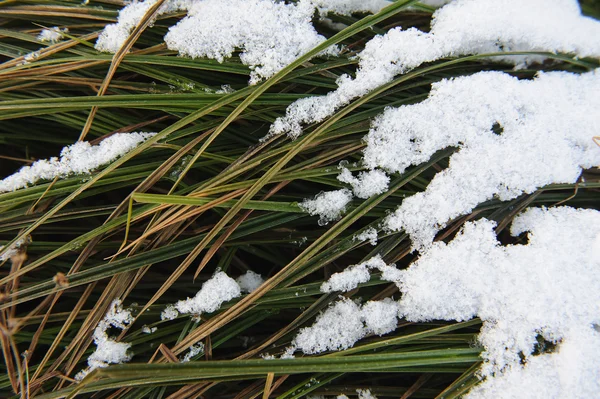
(78, 158)
(249, 281)
(344, 323)
(460, 28)
(369, 234)
(109, 351)
(329, 205)
(52, 35)
(548, 287)
(367, 184)
(547, 128)
(216, 290)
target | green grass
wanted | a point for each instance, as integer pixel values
(203, 194)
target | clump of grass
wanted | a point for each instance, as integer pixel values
(206, 194)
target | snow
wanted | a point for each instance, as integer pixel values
(548, 124)
(367, 184)
(216, 290)
(348, 7)
(52, 35)
(344, 323)
(548, 287)
(249, 26)
(329, 205)
(349, 278)
(149, 330)
(369, 234)
(14, 249)
(249, 281)
(169, 313)
(460, 28)
(571, 372)
(113, 36)
(78, 158)
(193, 351)
(108, 351)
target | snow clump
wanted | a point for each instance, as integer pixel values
(249, 281)
(52, 35)
(369, 234)
(216, 290)
(108, 351)
(344, 323)
(486, 26)
(547, 288)
(367, 184)
(78, 158)
(352, 276)
(329, 205)
(547, 128)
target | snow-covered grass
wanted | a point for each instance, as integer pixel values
(459, 28)
(76, 159)
(457, 241)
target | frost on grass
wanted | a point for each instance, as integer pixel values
(369, 234)
(216, 290)
(546, 288)
(78, 158)
(344, 323)
(547, 125)
(459, 28)
(52, 35)
(367, 184)
(329, 205)
(250, 27)
(108, 351)
(352, 276)
(249, 281)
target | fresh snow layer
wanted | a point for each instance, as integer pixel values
(52, 35)
(329, 205)
(547, 128)
(78, 158)
(460, 28)
(367, 184)
(548, 287)
(344, 323)
(216, 290)
(249, 281)
(108, 351)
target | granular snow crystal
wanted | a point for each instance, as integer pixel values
(78, 158)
